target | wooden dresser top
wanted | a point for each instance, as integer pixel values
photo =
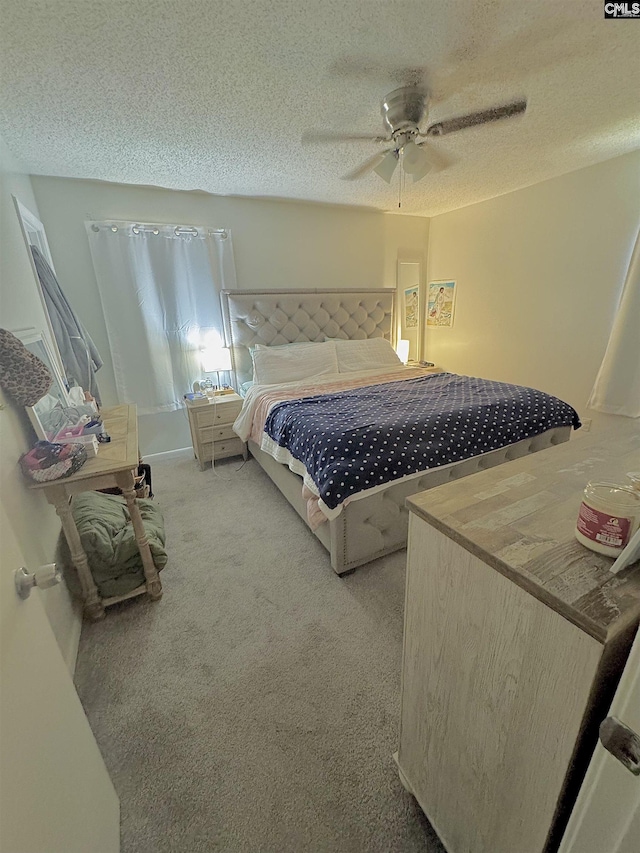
(520, 518)
(120, 454)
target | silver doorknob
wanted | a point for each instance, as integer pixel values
(44, 577)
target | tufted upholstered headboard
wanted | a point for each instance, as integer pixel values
(276, 317)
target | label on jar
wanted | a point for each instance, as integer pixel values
(610, 530)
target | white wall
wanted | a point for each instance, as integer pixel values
(33, 520)
(276, 244)
(539, 273)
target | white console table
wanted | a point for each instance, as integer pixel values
(114, 466)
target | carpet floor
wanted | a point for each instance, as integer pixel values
(255, 707)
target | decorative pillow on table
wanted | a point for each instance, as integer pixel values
(367, 354)
(293, 362)
(22, 374)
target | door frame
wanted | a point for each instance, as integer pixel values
(30, 226)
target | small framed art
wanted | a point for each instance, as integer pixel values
(441, 301)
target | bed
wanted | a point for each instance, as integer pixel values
(374, 523)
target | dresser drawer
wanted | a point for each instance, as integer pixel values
(216, 433)
(224, 413)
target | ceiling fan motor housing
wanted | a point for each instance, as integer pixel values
(404, 108)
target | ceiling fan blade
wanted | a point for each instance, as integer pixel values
(313, 137)
(366, 167)
(368, 68)
(436, 158)
(546, 44)
(441, 128)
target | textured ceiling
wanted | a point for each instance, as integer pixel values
(216, 95)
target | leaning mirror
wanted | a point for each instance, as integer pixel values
(48, 415)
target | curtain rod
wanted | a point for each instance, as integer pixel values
(179, 230)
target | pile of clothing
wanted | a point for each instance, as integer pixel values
(108, 539)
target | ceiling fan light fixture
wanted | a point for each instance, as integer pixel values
(387, 166)
(415, 161)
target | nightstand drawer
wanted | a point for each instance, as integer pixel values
(225, 413)
(209, 434)
(228, 447)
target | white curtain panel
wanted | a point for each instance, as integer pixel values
(160, 290)
(617, 387)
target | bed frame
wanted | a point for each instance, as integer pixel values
(376, 525)
(277, 317)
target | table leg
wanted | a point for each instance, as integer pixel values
(93, 607)
(126, 482)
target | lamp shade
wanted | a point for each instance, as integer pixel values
(215, 359)
(419, 174)
(415, 161)
(402, 350)
(387, 167)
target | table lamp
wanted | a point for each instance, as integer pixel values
(216, 360)
(403, 351)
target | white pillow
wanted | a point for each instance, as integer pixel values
(273, 365)
(365, 355)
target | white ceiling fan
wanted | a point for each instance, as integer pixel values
(403, 111)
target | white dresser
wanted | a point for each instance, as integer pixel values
(515, 637)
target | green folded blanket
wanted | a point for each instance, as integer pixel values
(108, 539)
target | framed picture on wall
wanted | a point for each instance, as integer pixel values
(441, 301)
(411, 307)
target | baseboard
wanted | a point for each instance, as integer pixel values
(70, 654)
(167, 454)
(65, 618)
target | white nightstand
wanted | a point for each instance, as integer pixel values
(211, 428)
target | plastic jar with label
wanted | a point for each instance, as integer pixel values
(609, 516)
(634, 476)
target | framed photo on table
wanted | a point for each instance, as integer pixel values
(441, 302)
(47, 415)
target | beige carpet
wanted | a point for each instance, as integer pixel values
(255, 707)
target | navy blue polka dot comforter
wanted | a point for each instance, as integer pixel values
(350, 441)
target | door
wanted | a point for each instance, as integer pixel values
(55, 793)
(606, 817)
